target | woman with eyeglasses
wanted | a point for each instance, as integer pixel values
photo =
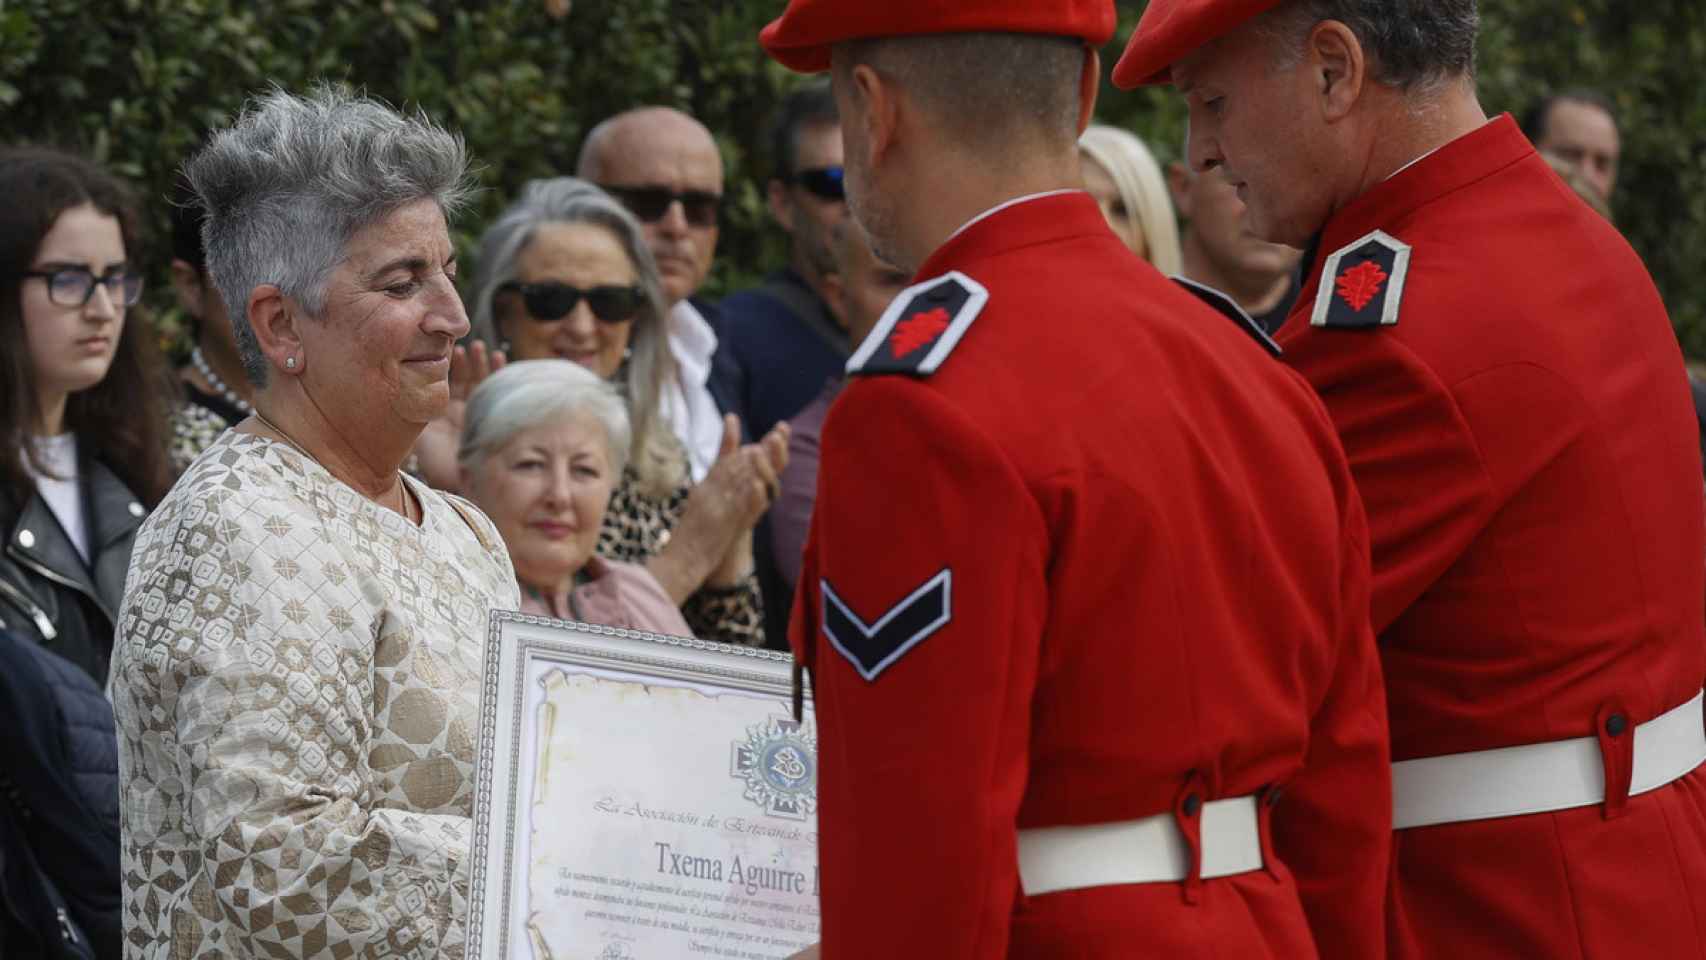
(565, 273)
(83, 456)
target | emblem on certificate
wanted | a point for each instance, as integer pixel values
(778, 762)
(640, 797)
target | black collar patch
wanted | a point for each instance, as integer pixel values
(1229, 308)
(1362, 283)
(921, 326)
(873, 648)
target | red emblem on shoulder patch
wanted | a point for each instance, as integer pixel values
(917, 331)
(1361, 283)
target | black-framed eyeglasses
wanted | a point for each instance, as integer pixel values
(651, 204)
(75, 286)
(551, 301)
(830, 183)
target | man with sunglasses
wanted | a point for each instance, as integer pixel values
(664, 166)
(784, 339)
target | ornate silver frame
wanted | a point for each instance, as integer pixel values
(516, 641)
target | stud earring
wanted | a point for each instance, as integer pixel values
(503, 347)
(290, 363)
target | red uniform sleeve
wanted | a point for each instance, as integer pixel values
(1332, 826)
(1412, 453)
(921, 608)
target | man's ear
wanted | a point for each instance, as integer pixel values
(273, 317)
(1089, 85)
(187, 284)
(1338, 67)
(1179, 185)
(780, 207)
(882, 113)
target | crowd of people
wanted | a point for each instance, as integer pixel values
(244, 602)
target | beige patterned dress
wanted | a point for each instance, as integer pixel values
(296, 681)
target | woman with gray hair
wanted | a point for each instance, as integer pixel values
(544, 443)
(565, 272)
(296, 671)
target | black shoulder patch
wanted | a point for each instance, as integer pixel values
(1362, 283)
(921, 326)
(1229, 308)
(872, 647)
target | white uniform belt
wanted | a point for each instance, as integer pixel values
(1150, 850)
(1538, 777)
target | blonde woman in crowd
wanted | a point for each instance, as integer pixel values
(1121, 173)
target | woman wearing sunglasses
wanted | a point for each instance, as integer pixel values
(83, 456)
(565, 273)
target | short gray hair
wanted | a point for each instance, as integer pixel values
(987, 89)
(655, 455)
(295, 177)
(1417, 45)
(534, 393)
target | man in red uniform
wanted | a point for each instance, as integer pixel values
(1084, 599)
(1513, 403)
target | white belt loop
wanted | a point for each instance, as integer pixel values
(1148, 850)
(1541, 777)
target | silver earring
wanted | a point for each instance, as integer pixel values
(503, 347)
(290, 363)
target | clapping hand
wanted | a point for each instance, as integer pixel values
(436, 448)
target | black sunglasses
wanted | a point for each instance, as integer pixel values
(551, 301)
(651, 204)
(830, 183)
(75, 286)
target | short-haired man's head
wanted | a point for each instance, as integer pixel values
(809, 106)
(992, 90)
(665, 167)
(1579, 127)
(295, 177)
(1412, 45)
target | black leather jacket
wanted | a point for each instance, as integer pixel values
(46, 590)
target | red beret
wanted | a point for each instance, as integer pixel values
(801, 37)
(1169, 29)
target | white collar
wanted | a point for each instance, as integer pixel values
(1009, 203)
(690, 335)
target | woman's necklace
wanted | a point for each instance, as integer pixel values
(402, 493)
(219, 386)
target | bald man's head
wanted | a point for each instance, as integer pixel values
(664, 166)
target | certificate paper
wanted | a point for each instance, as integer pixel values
(640, 797)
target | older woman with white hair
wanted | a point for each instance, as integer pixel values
(1121, 173)
(565, 273)
(297, 668)
(544, 443)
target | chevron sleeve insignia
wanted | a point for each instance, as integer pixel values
(873, 647)
(922, 325)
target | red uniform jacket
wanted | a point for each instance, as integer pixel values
(1525, 447)
(1156, 561)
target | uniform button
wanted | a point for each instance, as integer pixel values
(1192, 804)
(136, 509)
(1273, 795)
(1616, 724)
(26, 539)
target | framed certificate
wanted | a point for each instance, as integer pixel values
(640, 797)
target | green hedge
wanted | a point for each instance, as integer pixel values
(137, 82)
